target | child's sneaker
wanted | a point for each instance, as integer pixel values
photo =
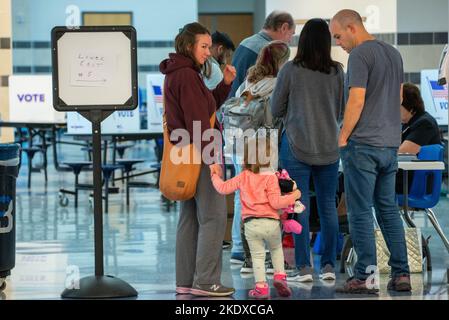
(260, 292)
(280, 283)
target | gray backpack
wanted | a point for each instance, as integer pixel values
(247, 112)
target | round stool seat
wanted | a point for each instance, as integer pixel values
(121, 148)
(129, 163)
(30, 151)
(109, 168)
(77, 166)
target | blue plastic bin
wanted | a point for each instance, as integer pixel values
(9, 169)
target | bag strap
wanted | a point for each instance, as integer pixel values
(267, 112)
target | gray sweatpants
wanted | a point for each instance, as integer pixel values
(200, 234)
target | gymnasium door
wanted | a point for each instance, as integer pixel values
(237, 26)
(107, 18)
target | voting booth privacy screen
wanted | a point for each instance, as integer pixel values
(123, 121)
(146, 119)
(155, 106)
(31, 100)
(94, 68)
(434, 96)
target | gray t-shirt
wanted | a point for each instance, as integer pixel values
(377, 67)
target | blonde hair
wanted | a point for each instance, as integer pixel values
(269, 61)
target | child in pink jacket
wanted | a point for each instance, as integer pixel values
(261, 199)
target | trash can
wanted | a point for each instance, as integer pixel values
(9, 169)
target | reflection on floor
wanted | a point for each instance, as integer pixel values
(139, 242)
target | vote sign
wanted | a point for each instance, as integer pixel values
(31, 100)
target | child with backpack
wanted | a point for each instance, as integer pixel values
(261, 199)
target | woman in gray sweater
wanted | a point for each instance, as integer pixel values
(309, 96)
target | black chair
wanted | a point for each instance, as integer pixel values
(108, 170)
(128, 166)
(76, 167)
(44, 148)
(31, 151)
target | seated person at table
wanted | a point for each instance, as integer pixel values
(419, 128)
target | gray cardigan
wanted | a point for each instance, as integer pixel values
(312, 105)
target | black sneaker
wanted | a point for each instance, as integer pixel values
(400, 283)
(226, 244)
(247, 266)
(270, 269)
(211, 290)
(288, 267)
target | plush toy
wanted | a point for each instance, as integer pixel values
(288, 216)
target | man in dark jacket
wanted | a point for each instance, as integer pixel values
(278, 26)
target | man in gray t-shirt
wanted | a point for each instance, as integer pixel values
(368, 143)
(377, 67)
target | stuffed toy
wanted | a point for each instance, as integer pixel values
(288, 216)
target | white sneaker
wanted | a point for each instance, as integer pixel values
(327, 273)
(304, 274)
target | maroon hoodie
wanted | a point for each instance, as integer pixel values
(187, 98)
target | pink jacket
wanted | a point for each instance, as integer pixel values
(260, 194)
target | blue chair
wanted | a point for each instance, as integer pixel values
(426, 187)
(318, 245)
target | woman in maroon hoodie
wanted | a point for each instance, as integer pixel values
(202, 219)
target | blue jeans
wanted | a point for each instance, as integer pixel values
(237, 246)
(325, 179)
(370, 176)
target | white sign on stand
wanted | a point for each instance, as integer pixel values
(31, 100)
(155, 85)
(434, 96)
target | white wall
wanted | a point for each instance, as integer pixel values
(422, 16)
(153, 19)
(381, 14)
(260, 14)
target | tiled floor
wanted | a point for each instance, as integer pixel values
(54, 242)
